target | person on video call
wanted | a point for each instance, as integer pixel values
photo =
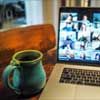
(69, 23)
(83, 35)
(85, 20)
(97, 56)
(68, 43)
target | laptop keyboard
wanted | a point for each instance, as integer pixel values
(80, 76)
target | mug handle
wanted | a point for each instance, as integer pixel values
(6, 74)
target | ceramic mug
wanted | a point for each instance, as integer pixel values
(25, 74)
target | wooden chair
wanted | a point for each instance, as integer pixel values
(39, 37)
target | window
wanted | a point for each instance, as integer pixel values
(12, 13)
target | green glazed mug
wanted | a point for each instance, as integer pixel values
(25, 73)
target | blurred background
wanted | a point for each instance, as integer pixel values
(17, 13)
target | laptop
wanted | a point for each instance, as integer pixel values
(76, 76)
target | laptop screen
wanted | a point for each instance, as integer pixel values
(79, 35)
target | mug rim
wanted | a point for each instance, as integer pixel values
(19, 52)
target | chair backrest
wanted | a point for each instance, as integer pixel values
(39, 37)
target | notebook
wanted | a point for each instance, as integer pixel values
(76, 76)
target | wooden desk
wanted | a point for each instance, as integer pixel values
(6, 94)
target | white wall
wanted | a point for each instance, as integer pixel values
(34, 12)
(42, 11)
(47, 11)
(50, 12)
(56, 6)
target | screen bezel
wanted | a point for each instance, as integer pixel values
(76, 9)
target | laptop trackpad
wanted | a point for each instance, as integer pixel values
(59, 92)
(87, 92)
